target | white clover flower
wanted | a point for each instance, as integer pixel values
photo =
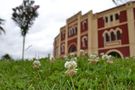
(70, 64)
(66, 65)
(71, 68)
(36, 64)
(104, 57)
(109, 57)
(93, 56)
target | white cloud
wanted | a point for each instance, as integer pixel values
(52, 16)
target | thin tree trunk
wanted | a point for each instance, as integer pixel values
(23, 48)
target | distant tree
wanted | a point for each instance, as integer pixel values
(24, 16)
(6, 57)
(118, 2)
(1, 23)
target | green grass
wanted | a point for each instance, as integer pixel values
(19, 75)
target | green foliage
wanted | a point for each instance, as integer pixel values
(24, 15)
(1, 27)
(19, 75)
(6, 57)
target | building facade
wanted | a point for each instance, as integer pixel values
(110, 32)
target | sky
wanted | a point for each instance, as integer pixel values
(52, 16)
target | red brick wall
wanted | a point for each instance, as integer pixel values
(62, 35)
(100, 22)
(124, 37)
(123, 50)
(100, 39)
(123, 16)
(72, 41)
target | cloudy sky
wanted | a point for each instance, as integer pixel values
(52, 15)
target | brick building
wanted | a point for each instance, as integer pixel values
(111, 32)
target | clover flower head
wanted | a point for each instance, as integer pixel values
(94, 61)
(70, 64)
(36, 64)
(109, 57)
(93, 56)
(71, 68)
(105, 57)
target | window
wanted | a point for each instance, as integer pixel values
(106, 19)
(111, 18)
(118, 35)
(75, 30)
(85, 25)
(84, 41)
(116, 16)
(72, 31)
(62, 35)
(113, 38)
(62, 48)
(107, 37)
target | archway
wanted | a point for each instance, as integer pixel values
(115, 53)
(72, 48)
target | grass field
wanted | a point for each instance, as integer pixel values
(19, 75)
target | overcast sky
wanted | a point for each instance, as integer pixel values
(52, 16)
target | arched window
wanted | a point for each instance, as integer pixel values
(84, 41)
(118, 35)
(85, 25)
(107, 38)
(113, 37)
(75, 30)
(72, 31)
(72, 48)
(69, 33)
(62, 48)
